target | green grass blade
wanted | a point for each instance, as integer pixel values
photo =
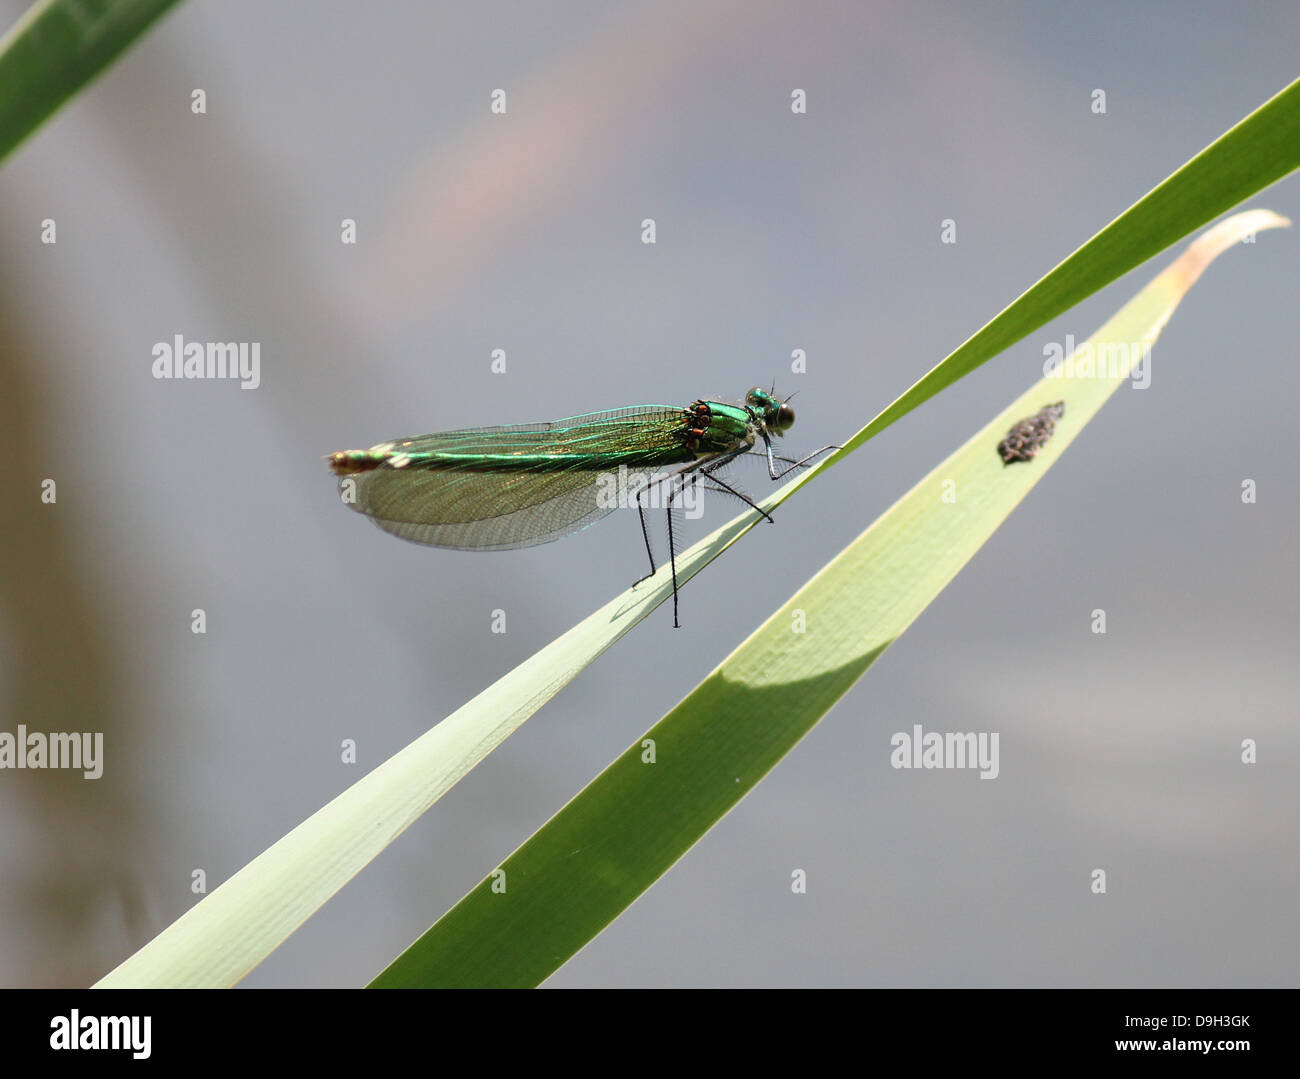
(630, 824)
(55, 49)
(1257, 152)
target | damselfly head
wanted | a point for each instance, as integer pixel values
(777, 415)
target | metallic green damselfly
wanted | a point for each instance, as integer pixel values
(498, 488)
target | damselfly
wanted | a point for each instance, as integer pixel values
(498, 488)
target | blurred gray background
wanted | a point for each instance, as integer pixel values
(522, 232)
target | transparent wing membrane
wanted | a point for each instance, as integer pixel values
(499, 488)
(489, 511)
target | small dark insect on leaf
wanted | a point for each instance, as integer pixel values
(1030, 435)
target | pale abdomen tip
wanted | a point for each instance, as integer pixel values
(350, 462)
